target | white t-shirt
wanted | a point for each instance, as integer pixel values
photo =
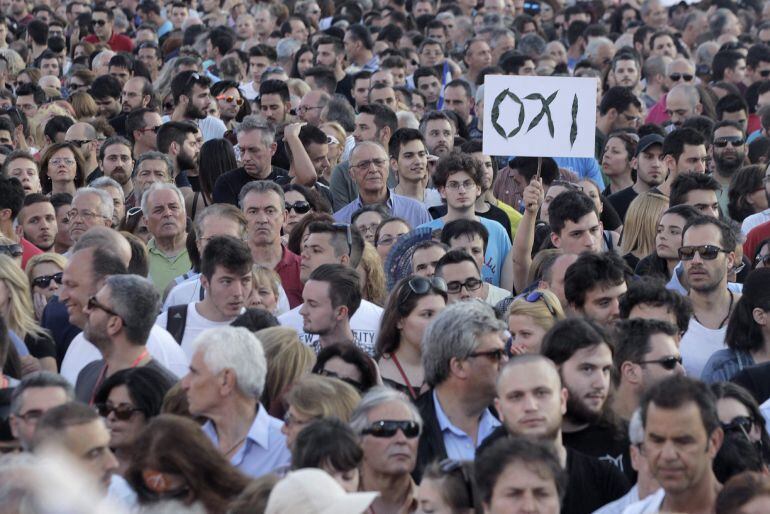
(160, 344)
(650, 505)
(190, 291)
(247, 88)
(365, 325)
(210, 127)
(698, 344)
(195, 324)
(754, 221)
(496, 294)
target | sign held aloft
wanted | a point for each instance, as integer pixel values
(539, 116)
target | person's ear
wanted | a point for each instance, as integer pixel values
(699, 108)
(760, 316)
(630, 372)
(555, 240)
(670, 162)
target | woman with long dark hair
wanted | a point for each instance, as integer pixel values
(739, 412)
(216, 157)
(746, 194)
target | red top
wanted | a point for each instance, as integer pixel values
(29, 250)
(755, 236)
(118, 42)
(288, 270)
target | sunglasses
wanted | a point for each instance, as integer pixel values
(101, 23)
(80, 142)
(536, 296)
(133, 211)
(331, 374)
(148, 129)
(676, 77)
(12, 250)
(94, 304)
(168, 106)
(741, 424)
(298, 207)
(45, 280)
(707, 252)
(667, 363)
(388, 428)
(122, 412)
(764, 73)
(231, 99)
(764, 259)
(471, 284)
(422, 285)
(734, 141)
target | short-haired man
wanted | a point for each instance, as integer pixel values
(697, 190)
(106, 91)
(226, 379)
(331, 297)
(648, 298)
(257, 146)
(142, 127)
(11, 204)
(458, 99)
(226, 279)
(84, 136)
(627, 71)
(21, 165)
(179, 141)
(684, 151)
(137, 94)
(426, 256)
(91, 207)
(583, 352)
(439, 132)
(409, 162)
(103, 20)
(117, 163)
(728, 151)
(729, 66)
(164, 212)
(531, 402)
(594, 284)
(707, 254)
(682, 102)
(458, 178)
(650, 173)
(678, 409)
(462, 275)
(34, 396)
(151, 167)
(428, 82)
(462, 352)
(370, 167)
(619, 109)
(332, 243)
(192, 98)
(646, 352)
(37, 220)
(119, 318)
(274, 102)
(732, 107)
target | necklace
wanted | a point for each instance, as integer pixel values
(228, 452)
(729, 311)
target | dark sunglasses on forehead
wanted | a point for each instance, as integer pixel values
(764, 73)
(388, 428)
(133, 211)
(45, 280)
(536, 296)
(422, 285)
(667, 363)
(706, 252)
(12, 250)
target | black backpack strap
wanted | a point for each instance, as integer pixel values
(176, 320)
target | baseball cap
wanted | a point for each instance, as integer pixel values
(647, 141)
(313, 491)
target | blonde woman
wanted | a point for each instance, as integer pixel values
(313, 397)
(641, 226)
(44, 273)
(265, 292)
(374, 286)
(16, 307)
(288, 359)
(530, 316)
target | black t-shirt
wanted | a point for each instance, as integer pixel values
(86, 385)
(41, 346)
(609, 217)
(631, 259)
(605, 442)
(494, 213)
(344, 87)
(652, 266)
(621, 200)
(229, 184)
(756, 379)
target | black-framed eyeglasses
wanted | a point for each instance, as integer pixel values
(706, 252)
(299, 207)
(31, 415)
(388, 428)
(93, 304)
(45, 280)
(12, 250)
(122, 412)
(536, 296)
(423, 285)
(495, 355)
(667, 363)
(471, 284)
(148, 129)
(448, 466)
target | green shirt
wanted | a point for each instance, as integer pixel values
(164, 269)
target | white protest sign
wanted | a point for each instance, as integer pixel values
(539, 116)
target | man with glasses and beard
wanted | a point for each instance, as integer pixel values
(531, 402)
(192, 99)
(728, 151)
(583, 354)
(116, 162)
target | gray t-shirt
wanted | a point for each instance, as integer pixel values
(86, 386)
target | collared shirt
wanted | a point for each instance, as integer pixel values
(163, 268)
(373, 64)
(265, 447)
(399, 206)
(410, 504)
(459, 445)
(288, 270)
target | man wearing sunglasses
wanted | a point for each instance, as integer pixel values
(728, 151)
(707, 254)
(646, 352)
(103, 20)
(142, 127)
(83, 135)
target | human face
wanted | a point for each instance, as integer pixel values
(583, 236)
(229, 109)
(429, 86)
(704, 275)
(35, 401)
(123, 433)
(263, 297)
(731, 156)
(257, 65)
(227, 292)
(150, 172)
(439, 137)
(63, 227)
(26, 171)
(650, 166)
(663, 46)
(149, 57)
(525, 332)
(255, 155)
(299, 31)
(460, 191)
(473, 246)
(412, 162)
(49, 67)
(668, 238)
(456, 99)
(131, 96)
(201, 386)
(27, 104)
(479, 55)
(693, 159)
(523, 488)
(602, 303)
(38, 221)
(317, 249)
(413, 325)
(90, 443)
(679, 107)
(369, 165)
(361, 92)
(424, 261)
(630, 118)
(626, 73)
(367, 224)
(86, 212)
(292, 216)
(167, 215)
(265, 215)
(678, 448)
(326, 56)
(738, 74)
(704, 201)
(273, 109)
(319, 316)
(366, 129)
(729, 408)
(178, 16)
(385, 96)
(586, 375)
(319, 156)
(263, 22)
(556, 51)
(389, 234)
(662, 346)
(431, 499)
(461, 272)
(394, 455)
(118, 163)
(294, 422)
(431, 55)
(46, 269)
(62, 166)
(109, 107)
(148, 136)
(102, 25)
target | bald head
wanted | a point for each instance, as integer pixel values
(544, 364)
(80, 131)
(107, 239)
(680, 65)
(368, 147)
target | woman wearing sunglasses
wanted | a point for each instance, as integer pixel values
(44, 272)
(127, 400)
(412, 305)
(739, 413)
(530, 317)
(748, 331)
(16, 307)
(301, 201)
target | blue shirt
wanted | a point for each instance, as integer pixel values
(498, 248)
(399, 206)
(265, 447)
(459, 445)
(584, 168)
(723, 365)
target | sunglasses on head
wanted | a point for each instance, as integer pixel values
(298, 207)
(45, 280)
(667, 363)
(231, 99)
(12, 250)
(675, 77)
(133, 211)
(764, 73)
(734, 141)
(422, 285)
(764, 259)
(122, 412)
(357, 385)
(536, 296)
(740, 424)
(706, 252)
(388, 428)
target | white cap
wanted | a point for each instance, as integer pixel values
(313, 491)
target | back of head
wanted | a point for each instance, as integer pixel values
(329, 442)
(740, 490)
(136, 300)
(53, 425)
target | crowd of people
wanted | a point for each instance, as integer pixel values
(254, 258)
